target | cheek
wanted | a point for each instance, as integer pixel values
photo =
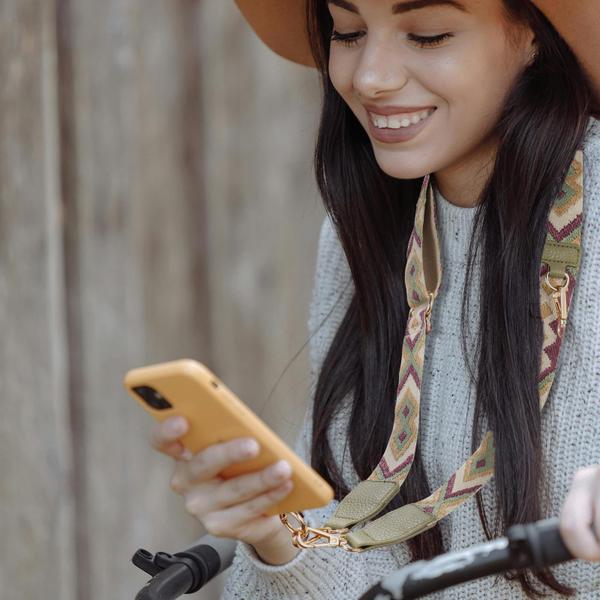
(341, 72)
(473, 84)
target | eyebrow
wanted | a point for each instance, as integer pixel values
(404, 7)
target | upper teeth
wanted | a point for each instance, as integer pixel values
(400, 120)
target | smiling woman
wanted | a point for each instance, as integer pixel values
(484, 107)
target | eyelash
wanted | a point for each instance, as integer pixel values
(351, 39)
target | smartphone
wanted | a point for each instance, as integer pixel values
(215, 414)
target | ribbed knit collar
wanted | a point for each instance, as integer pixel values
(455, 226)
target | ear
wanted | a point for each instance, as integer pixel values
(532, 49)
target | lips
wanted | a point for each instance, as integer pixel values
(395, 110)
(403, 134)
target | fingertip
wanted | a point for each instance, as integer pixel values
(175, 426)
(186, 454)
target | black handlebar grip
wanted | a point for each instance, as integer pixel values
(543, 543)
(552, 547)
(173, 582)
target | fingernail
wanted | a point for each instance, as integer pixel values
(176, 425)
(281, 469)
(249, 447)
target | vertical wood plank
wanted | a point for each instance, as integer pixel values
(135, 224)
(261, 116)
(190, 229)
(36, 507)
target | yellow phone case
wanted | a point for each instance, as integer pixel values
(215, 414)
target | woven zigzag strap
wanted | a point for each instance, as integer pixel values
(560, 264)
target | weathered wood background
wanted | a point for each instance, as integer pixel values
(157, 201)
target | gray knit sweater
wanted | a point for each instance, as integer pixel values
(570, 420)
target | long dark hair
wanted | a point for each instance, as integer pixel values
(373, 214)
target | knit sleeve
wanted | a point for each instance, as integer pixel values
(326, 572)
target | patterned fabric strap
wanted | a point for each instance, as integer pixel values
(558, 275)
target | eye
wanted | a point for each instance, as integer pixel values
(351, 39)
(348, 39)
(429, 41)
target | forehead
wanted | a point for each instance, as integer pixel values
(484, 13)
(408, 6)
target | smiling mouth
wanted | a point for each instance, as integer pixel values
(399, 121)
(394, 135)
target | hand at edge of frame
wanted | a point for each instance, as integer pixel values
(580, 515)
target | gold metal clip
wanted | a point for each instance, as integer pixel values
(306, 537)
(428, 313)
(559, 295)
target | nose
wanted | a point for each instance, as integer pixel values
(380, 70)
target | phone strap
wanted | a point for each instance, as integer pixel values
(557, 280)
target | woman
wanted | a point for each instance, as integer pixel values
(492, 102)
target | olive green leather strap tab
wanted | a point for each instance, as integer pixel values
(560, 255)
(394, 527)
(368, 499)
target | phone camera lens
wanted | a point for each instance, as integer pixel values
(152, 397)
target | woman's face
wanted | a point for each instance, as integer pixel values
(465, 75)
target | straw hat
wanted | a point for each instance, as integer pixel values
(280, 24)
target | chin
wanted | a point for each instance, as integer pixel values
(399, 167)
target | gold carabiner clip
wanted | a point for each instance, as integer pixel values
(559, 295)
(306, 537)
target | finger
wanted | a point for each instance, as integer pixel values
(178, 451)
(166, 432)
(245, 487)
(596, 511)
(208, 463)
(198, 500)
(239, 489)
(577, 517)
(232, 520)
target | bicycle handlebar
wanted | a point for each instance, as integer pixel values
(183, 572)
(535, 545)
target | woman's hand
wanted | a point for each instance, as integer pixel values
(231, 508)
(580, 515)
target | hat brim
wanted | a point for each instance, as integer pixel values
(579, 25)
(281, 25)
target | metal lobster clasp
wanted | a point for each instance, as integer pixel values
(304, 536)
(559, 296)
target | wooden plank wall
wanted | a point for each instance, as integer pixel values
(156, 201)
(36, 499)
